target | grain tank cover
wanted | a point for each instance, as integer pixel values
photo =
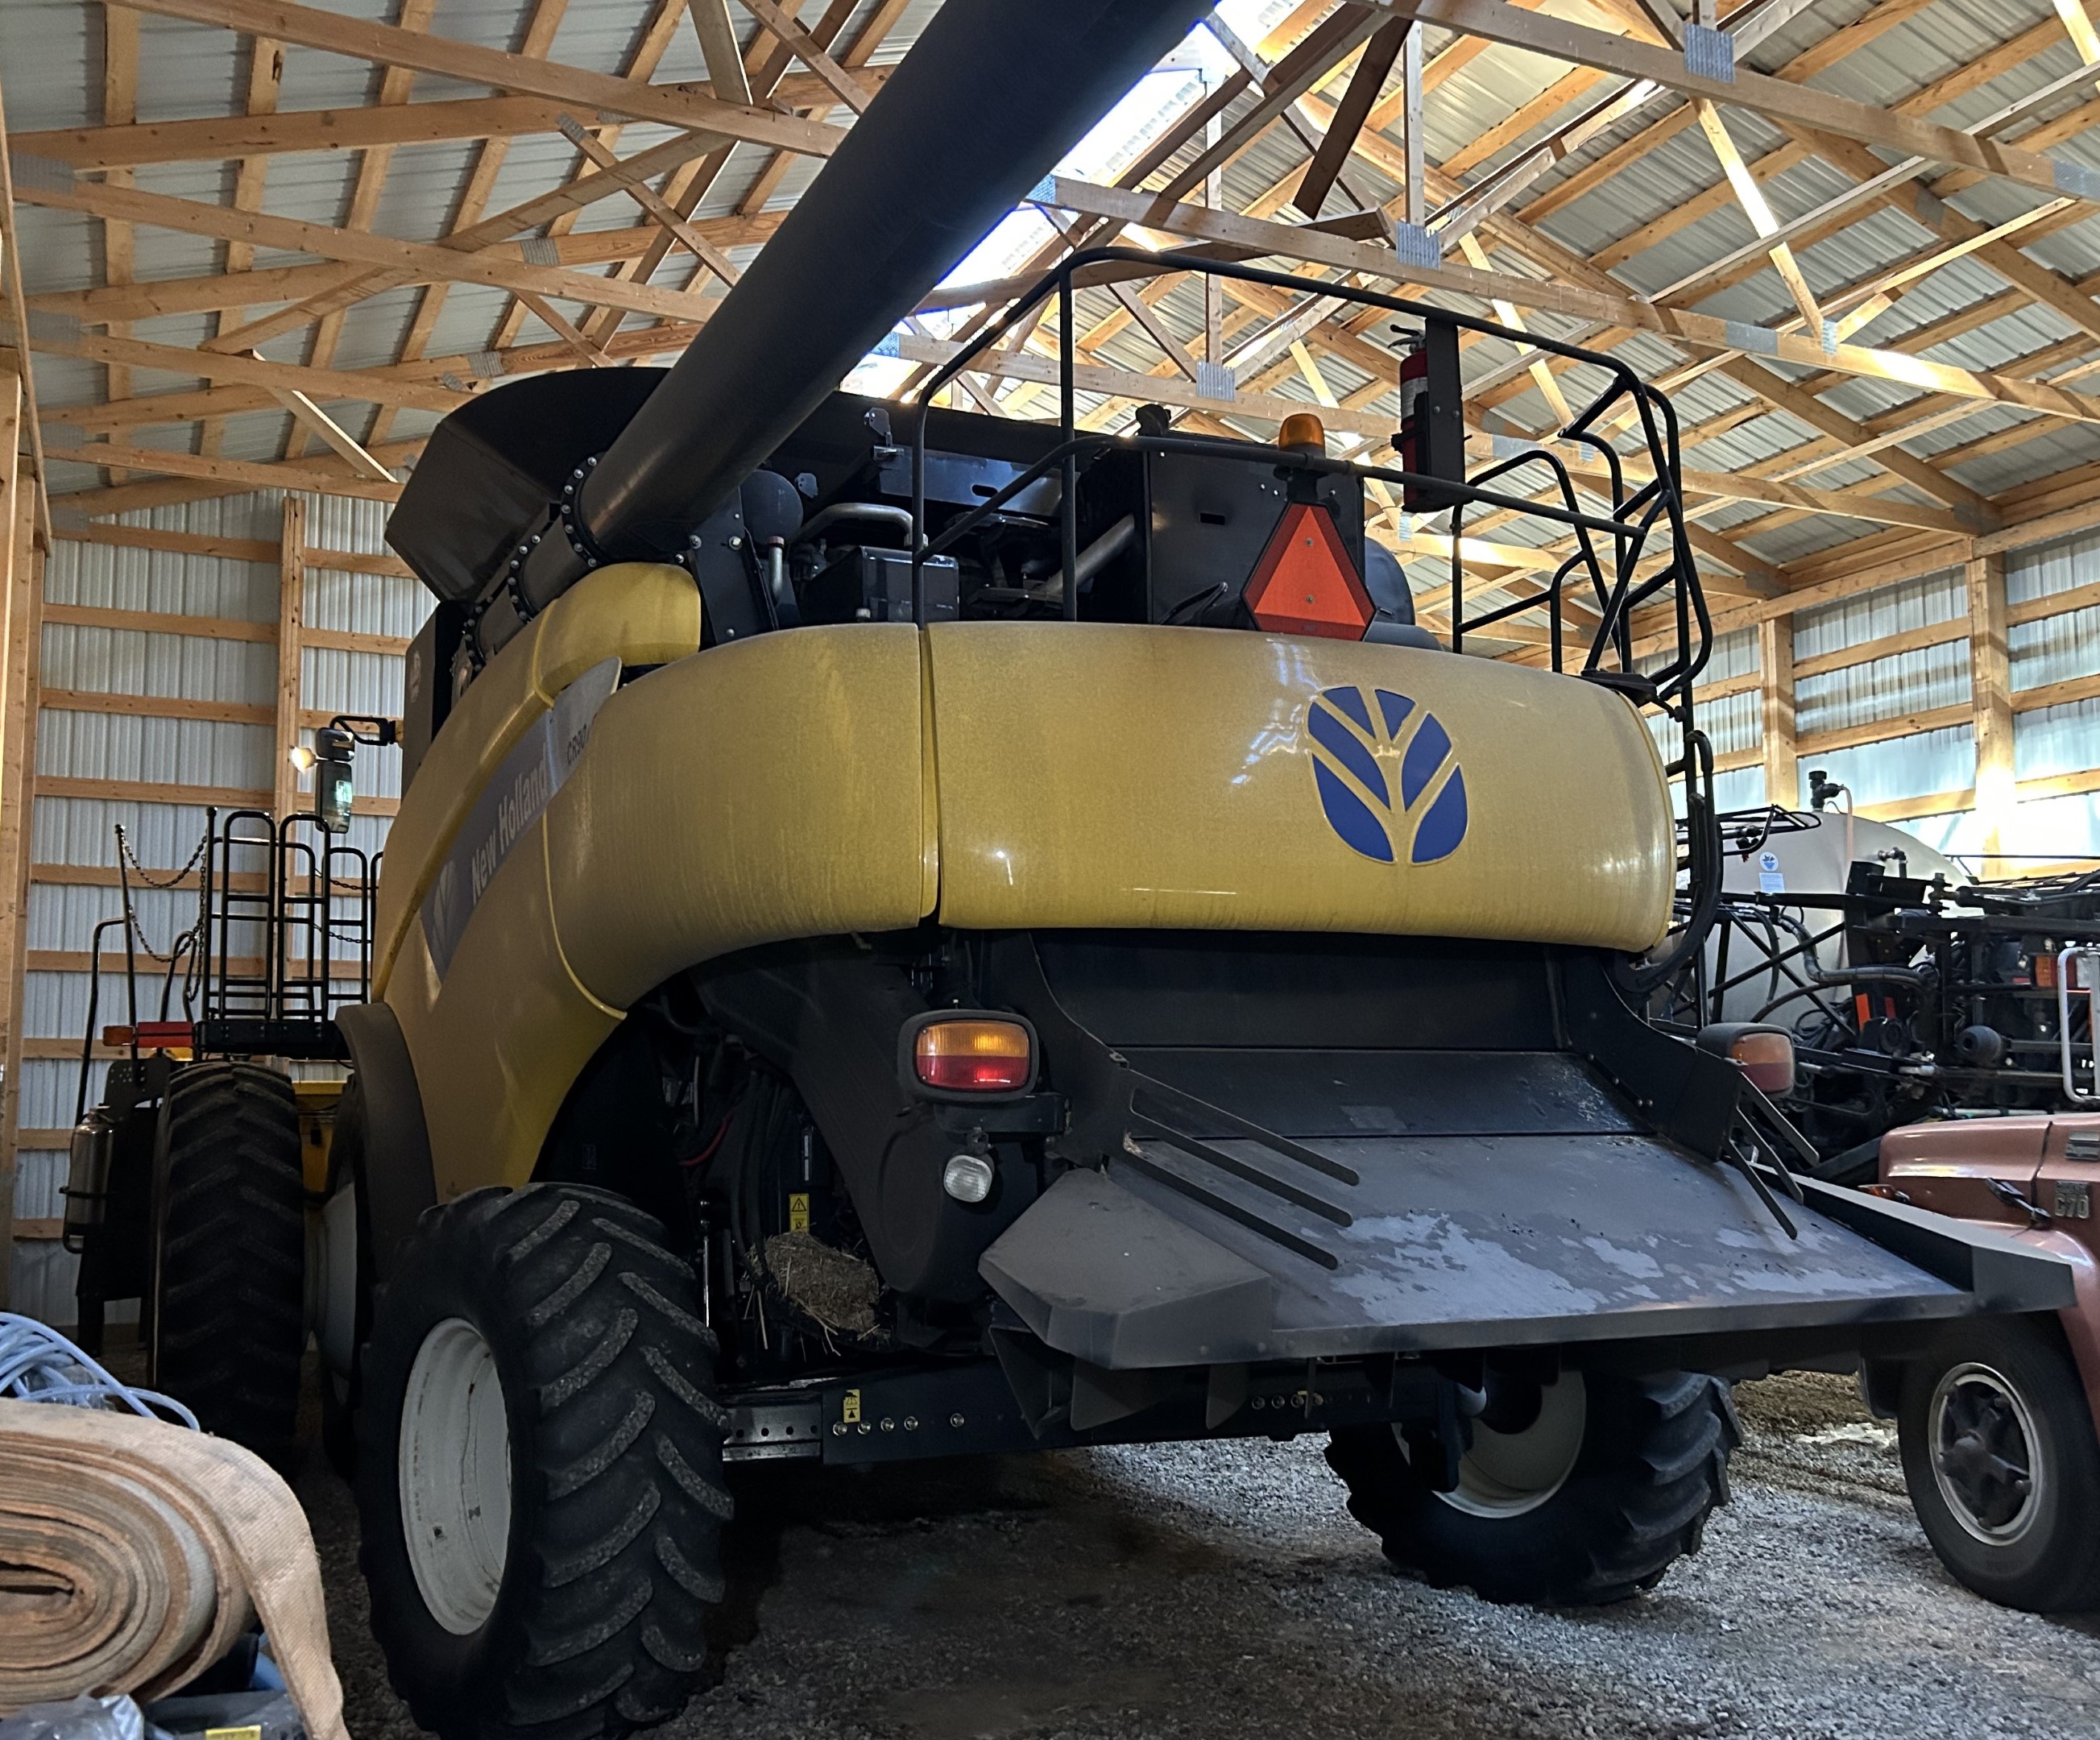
(493, 465)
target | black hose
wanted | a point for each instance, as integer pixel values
(1822, 978)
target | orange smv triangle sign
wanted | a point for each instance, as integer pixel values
(1304, 583)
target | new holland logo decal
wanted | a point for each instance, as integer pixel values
(1389, 783)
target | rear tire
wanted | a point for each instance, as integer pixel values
(229, 1253)
(1591, 1502)
(2003, 1463)
(539, 1472)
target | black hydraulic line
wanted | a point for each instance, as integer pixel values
(130, 937)
(94, 1008)
(1822, 978)
(941, 155)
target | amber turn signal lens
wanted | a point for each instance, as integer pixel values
(973, 1056)
(1767, 1058)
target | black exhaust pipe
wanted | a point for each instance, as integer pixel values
(991, 95)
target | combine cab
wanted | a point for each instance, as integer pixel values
(911, 933)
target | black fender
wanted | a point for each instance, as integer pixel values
(393, 1162)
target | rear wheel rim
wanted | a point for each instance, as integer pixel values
(1985, 1453)
(454, 1466)
(1507, 1474)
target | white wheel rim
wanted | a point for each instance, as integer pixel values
(1507, 1473)
(455, 1475)
(1978, 1418)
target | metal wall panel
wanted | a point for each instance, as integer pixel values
(366, 603)
(2057, 740)
(161, 751)
(2055, 649)
(129, 661)
(2049, 568)
(1890, 610)
(1913, 766)
(115, 578)
(1915, 681)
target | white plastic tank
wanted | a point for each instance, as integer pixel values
(1816, 859)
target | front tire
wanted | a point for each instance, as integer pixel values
(540, 1473)
(2003, 1464)
(1590, 1499)
(230, 1253)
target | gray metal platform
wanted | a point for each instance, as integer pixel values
(1203, 1246)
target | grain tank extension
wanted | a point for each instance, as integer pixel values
(910, 933)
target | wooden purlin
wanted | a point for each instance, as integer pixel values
(472, 232)
(438, 121)
(1775, 99)
(641, 63)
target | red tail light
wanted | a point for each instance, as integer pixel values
(974, 1054)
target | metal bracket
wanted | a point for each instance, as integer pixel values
(2066, 968)
(774, 1431)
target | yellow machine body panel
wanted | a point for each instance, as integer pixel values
(499, 1039)
(767, 789)
(858, 779)
(1100, 776)
(642, 613)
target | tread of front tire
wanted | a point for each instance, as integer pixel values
(229, 1325)
(610, 1638)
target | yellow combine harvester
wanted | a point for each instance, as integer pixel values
(909, 934)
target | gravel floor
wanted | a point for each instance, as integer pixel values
(1209, 1589)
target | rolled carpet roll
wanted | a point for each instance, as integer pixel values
(132, 1553)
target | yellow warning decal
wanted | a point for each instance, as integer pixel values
(798, 1212)
(233, 1733)
(850, 1409)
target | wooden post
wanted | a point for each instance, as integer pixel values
(1417, 191)
(20, 594)
(1776, 683)
(1991, 695)
(291, 618)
